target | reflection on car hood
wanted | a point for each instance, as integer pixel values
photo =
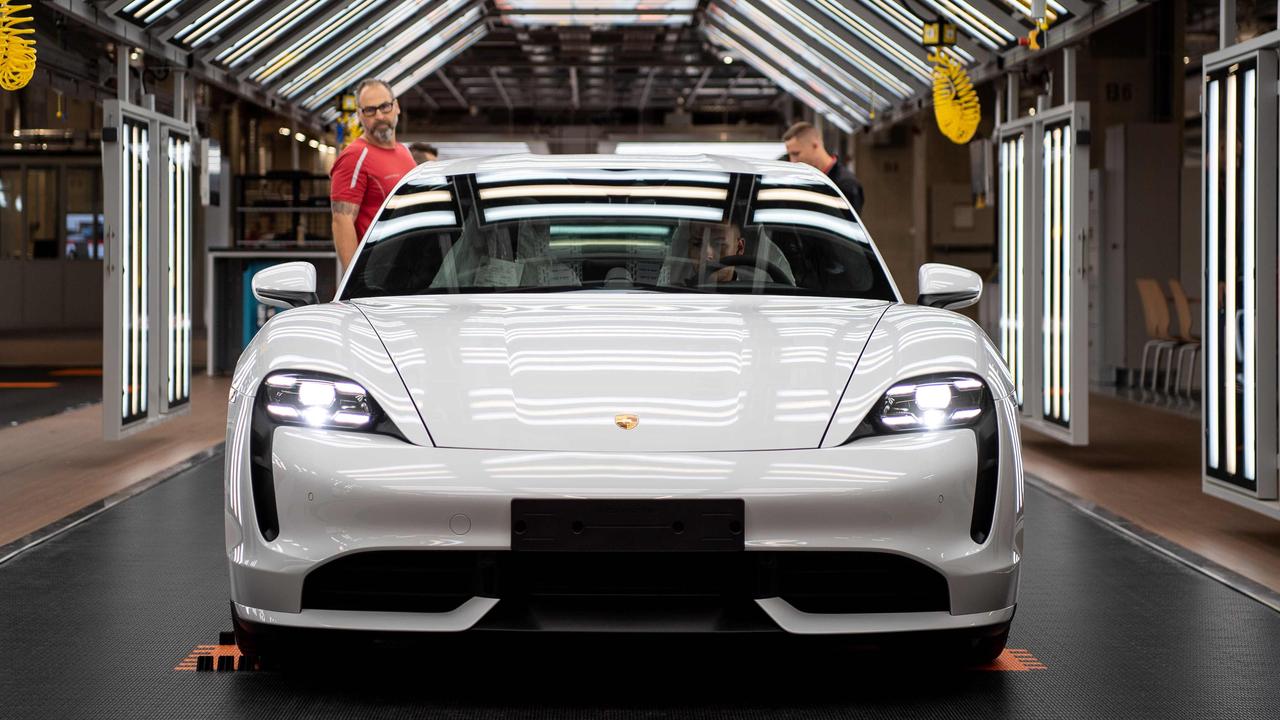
(559, 372)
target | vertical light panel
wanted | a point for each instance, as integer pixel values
(1012, 255)
(1058, 267)
(178, 209)
(1231, 272)
(135, 248)
(1212, 326)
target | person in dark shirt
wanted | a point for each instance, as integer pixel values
(424, 152)
(804, 144)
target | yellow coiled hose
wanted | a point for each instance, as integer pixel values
(955, 102)
(17, 53)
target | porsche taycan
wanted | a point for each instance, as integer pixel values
(621, 394)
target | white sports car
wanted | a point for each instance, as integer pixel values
(602, 393)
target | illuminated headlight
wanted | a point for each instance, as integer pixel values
(319, 401)
(931, 403)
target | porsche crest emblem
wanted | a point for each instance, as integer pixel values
(626, 421)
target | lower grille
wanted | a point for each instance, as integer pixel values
(439, 581)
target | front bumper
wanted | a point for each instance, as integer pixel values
(338, 494)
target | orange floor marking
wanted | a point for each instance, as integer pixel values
(1014, 660)
(27, 385)
(216, 651)
(77, 372)
(1011, 660)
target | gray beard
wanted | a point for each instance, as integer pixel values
(384, 134)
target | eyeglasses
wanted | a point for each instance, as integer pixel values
(384, 108)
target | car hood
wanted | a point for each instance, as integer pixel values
(561, 372)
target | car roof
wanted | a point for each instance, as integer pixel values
(774, 170)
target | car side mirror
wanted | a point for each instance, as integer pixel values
(288, 285)
(948, 287)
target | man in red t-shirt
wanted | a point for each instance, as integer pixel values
(367, 170)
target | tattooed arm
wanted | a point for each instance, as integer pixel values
(344, 230)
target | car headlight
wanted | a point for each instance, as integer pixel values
(935, 402)
(317, 400)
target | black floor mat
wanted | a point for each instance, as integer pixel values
(94, 622)
(31, 393)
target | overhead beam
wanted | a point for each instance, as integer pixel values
(648, 88)
(502, 90)
(453, 90)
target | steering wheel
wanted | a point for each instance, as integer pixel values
(775, 273)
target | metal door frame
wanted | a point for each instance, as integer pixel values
(1032, 291)
(154, 314)
(1262, 51)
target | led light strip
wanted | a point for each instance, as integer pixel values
(976, 24)
(781, 79)
(1012, 207)
(842, 88)
(1229, 301)
(1052, 9)
(179, 269)
(356, 43)
(302, 47)
(413, 77)
(268, 32)
(134, 254)
(208, 25)
(860, 28)
(148, 11)
(394, 48)
(1248, 242)
(646, 6)
(589, 19)
(820, 34)
(904, 20)
(1213, 111)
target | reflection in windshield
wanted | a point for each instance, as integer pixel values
(670, 231)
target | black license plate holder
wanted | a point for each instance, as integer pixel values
(668, 525)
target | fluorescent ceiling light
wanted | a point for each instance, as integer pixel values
(413, 36)
(271, 30)
(338, 23)
(341, 56)
(560, 19)
(799, 48)
(207, 26)
(399, 87)
(784, 81)
(893, 13)
(148, 11)
(859, 28)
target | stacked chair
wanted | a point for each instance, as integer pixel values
(1161, 340)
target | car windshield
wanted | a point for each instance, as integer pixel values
(616, 230)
